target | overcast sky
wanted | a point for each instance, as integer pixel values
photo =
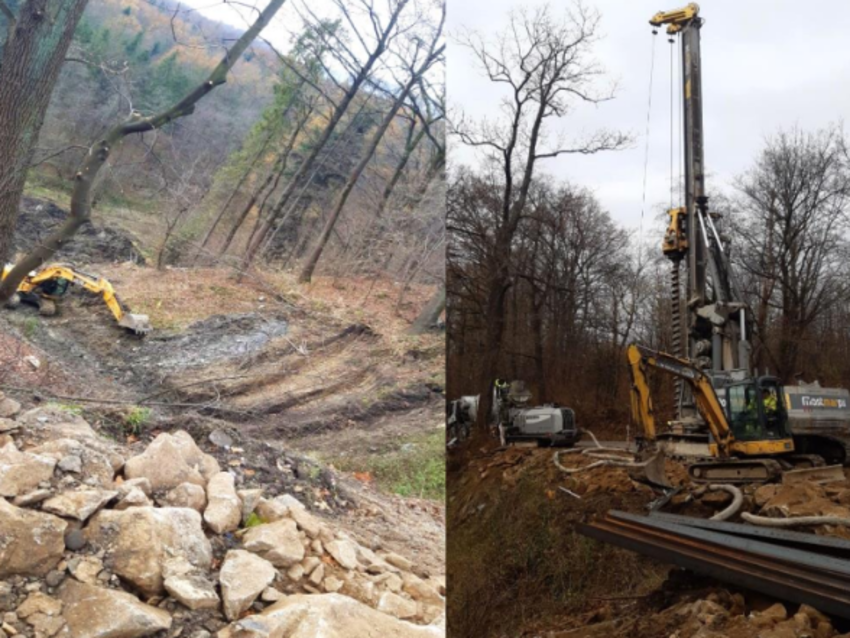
(766, 64)
(241, 15)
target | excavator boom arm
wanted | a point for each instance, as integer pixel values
(92, 283)
(708, 405)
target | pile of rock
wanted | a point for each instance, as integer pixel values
(721, 615)
(166, 543)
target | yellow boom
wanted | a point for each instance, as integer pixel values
(725, 444)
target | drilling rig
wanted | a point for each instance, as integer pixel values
(710, 323)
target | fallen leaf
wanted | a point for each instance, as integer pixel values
(364, 477)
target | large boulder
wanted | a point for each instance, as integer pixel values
(21, 472)
(243, 577)
(8, 407)
(31, 543)
(277, 542)
(185, 495)
(95, 466)
(78, 504)
(139, 540)
(344, 552)
(95, 612)
(224, 509)
(172, 459)
(193, 590)
(325, 615)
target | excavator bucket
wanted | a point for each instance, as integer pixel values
(653, 472)
(139, 324)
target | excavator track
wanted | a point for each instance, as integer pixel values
(736, 471)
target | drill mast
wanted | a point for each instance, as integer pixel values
(713, 333)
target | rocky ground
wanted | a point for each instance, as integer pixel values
(158, 539)
(543, 580)
(184, 484)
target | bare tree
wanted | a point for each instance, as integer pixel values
(792, 229)
(418, 66)
(546, 68)
(99, 154)
(33, 51)
(359, 73)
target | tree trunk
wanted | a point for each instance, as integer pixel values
(232, 195)
(275, 175)
(430, 313)
(30, 64)
(307, 272)
(410, 147)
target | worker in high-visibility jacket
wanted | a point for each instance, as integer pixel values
(750, 420)
(768, 399)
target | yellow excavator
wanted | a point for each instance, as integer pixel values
(45, 286)
(749, 439)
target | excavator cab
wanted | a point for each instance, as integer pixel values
(756, 411)
(54, 287)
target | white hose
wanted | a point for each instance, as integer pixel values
(798, 521)
(592, 436)
(609, 457)
(737, 501)
(602, 463)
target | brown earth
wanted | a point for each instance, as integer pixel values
(94, 242)
(517, 568)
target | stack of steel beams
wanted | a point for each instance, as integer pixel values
(792, 566)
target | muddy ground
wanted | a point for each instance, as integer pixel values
(518, 568)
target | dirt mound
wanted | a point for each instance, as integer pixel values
(514, 551)
(688, 606)
(92, 244)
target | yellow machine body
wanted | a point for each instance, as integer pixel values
(675, 19)
(32, 284)
(746, 457)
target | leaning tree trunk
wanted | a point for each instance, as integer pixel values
(273, 179)
(33, 53)
(235, 191)
(357, 82)
(430, 313)
(99, 153)
(307, 272)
